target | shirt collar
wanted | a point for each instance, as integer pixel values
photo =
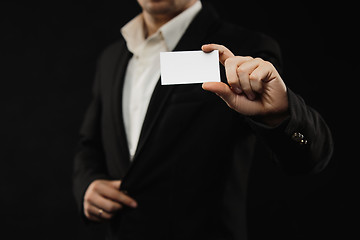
(134, 33)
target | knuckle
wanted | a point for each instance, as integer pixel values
(226, 63)
(241, 69)
(95, 186)
(86, 207)
(245, 58)
(246, 88)
(234, 84)
(86, 198)
(88, 195)
(86, 210)
(229, 61)
(268, 64)
(254, 77)
(91, 187)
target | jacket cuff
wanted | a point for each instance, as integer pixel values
(288, 140)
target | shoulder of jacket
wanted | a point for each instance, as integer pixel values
(113, 50)
(240, 36)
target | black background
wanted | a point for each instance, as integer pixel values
(47, 58)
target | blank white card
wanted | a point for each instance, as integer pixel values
(188, 67)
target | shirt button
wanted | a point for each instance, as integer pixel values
(299, 138)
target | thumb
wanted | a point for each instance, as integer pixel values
(221, 89)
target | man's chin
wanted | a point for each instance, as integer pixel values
(160, 7)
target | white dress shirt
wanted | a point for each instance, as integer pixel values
(143, 71)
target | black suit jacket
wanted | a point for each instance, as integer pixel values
(190, 170)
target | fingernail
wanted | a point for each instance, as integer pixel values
(133, 204)
(204, 46)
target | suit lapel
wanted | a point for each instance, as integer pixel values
(156, 105)
(117, 93)
(192, 40)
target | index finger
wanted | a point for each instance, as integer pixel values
(126, 199)
(118, 196)
(224, 53)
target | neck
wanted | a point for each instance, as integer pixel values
(153, 22)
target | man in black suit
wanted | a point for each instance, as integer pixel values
(172, 162)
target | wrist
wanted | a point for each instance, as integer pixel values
(273, 120)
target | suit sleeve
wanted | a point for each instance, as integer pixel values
(89, 163)
(303, 143)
